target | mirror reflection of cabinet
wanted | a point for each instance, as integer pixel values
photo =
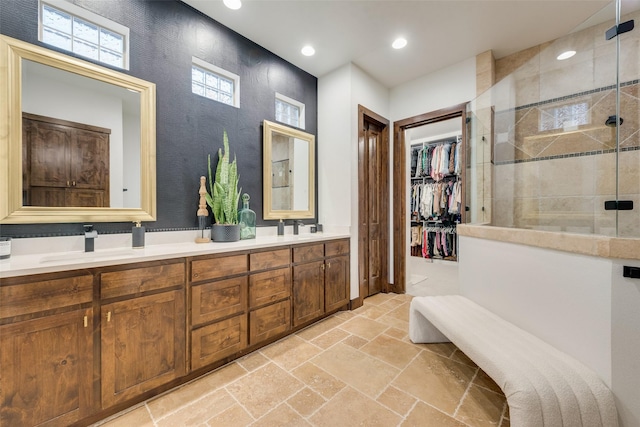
(42, 82)
(65, 164)
(289, 172)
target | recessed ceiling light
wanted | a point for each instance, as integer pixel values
(308, 51)
(399, 43)
(566, 55)
(233, 4)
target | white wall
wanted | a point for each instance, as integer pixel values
(339, 94)
(441, 89)
(625, 348)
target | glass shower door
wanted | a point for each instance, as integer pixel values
(628, 132)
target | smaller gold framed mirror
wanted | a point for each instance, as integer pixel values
(289, 172)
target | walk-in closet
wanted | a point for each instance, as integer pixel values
(436, 189)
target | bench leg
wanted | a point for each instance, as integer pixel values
(421, 330)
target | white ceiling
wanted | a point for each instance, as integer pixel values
(440, 32)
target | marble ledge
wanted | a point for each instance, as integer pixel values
(20, 265)
(592, 245)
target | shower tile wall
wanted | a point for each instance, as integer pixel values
(558, 179)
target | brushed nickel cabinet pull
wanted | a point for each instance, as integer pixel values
(86, 321)
(109, 316)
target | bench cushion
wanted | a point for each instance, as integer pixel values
(543, 386)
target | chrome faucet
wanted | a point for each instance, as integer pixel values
(89, 235)
(297, 223)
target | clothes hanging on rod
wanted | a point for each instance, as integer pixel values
(437, 160)
(436, 200)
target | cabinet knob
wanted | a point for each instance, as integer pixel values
(329, 265)
(74, 183)
(68, 184)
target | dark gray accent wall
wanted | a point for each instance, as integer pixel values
(165, 34)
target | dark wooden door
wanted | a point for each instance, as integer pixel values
(373, 204)
(337, 292)
(308, 292)
(143, 345)
(90, 160)
(48, 147)
(65, 163)
(47, 372)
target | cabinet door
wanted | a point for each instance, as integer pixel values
(308, 292)
(143, 345)
(218, 340)
(269, 321)
(48, 154)
(47, 367)
(336, 290)
(90, 160)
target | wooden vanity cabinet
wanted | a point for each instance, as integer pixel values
(336, 288)
(269, 294)
(46, 349)
(77, 346)
(308, 283)
(218, 308)
(320, 280)
(143, 331)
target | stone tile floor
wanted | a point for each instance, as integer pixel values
(355, 368)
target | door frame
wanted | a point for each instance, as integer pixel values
(365, 113)
(400, 183)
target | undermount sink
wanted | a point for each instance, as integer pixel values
(86, 256)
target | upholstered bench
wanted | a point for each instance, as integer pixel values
(543, 386)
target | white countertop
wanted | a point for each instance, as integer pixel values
(20, 265)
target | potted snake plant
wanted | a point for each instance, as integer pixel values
(223, 196)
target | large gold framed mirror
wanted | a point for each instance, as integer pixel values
(289, 172)
(77, 140)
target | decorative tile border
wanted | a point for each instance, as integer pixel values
(565, 156)
(570, 97)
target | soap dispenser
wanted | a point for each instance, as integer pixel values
(281, 228)
(137, 235)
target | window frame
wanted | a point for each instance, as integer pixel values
(220, 72)
(287, 100)
(91, 17)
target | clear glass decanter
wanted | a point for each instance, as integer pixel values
(247, 220)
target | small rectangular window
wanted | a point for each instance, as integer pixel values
(215, 83)
(74, 29)
(289, 111)
(566, 116)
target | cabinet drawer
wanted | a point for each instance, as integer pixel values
(217, 341)
(269, 259)
(214, 268)
(219, 299)
(33, 297)
(269, 321)
(340, 247)
(137, 280)
(308, 253)
(269, 286)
